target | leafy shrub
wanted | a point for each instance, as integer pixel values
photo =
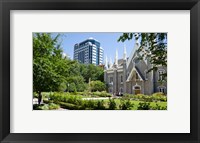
(128, 96)
(62, 87)
(97, 86)
(144, 106)
(89, 104)
(35, 95)
(100, 105)
(101, 94)
(112, 104)
(158, 107)
(36, 107)
(66, 97)
(69, 106)
(53, 106)
(50, 106)
(147, 98)
(140, 97)
(159, 96)
(125, 104)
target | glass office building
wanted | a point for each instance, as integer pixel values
(89, 52)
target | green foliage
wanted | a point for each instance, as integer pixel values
(35, 95)
(125, 104)
(100, 105)
(76, 83)
(144, 106)
(100, 94)
(50, 106)
(69, 106)
(92, 72)
(147, 98)
(47, 53)
(112, 104)
(66, 97)
(158, 107)
(159, 96)
(97, 86)
(62, 87)
(53, 106)
(72, 87)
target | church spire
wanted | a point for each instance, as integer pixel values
(110, 63)
(124, 56)
(106, 62)
(116, 57)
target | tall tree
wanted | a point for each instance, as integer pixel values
(47, 55)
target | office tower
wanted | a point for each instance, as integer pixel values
(89, 52)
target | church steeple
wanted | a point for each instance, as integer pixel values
(106, 63)
(124, 56)
(110, 63)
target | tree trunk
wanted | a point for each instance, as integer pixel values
(39, 97)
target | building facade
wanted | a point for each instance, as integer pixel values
(129, 75)
(89, 52)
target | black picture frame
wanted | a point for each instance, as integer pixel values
(7, 5)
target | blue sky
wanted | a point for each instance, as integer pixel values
(107, 40)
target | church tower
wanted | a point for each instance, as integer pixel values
(124, 69)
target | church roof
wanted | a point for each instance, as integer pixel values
(120, 61)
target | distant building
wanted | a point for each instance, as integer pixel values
(129, 75)
(89, 52)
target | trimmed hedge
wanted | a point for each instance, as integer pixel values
(147, 98)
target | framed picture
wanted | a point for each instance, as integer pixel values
(99, 71)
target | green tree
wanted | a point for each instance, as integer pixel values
(153, 47)
(78, 82)
(91, 71)
(62, 87)
(47, 55)
(72, 87)
(97, 86)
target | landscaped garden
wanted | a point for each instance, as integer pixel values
(78, 86)
(101, 101)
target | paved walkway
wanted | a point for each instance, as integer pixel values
(95, 98)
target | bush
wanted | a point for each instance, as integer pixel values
(144, 106)
(158, 107)
(97, 86)
(66, 97)
(62, 87)
(35, 95)
(89, 104)
(159, 96)
(147, 98)
(51, 106)
(125, 104)
(69, 106)
(100, 105)
(140, 97)
(128, 96)
(112, 104)
(101, 94)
